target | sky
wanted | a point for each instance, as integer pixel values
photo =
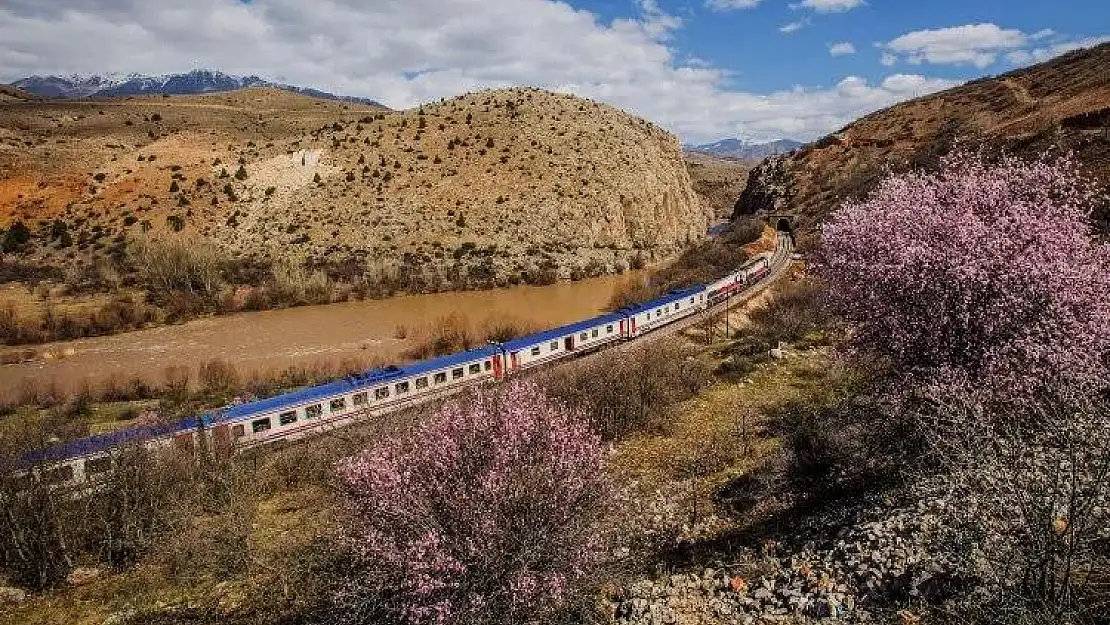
(704, 69)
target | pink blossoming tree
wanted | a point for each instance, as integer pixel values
(981, 275)
(482, 514)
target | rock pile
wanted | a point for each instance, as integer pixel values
(866, 565)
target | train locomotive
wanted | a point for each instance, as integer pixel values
(294, 415)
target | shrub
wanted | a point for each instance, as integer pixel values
(16, 236)
(623, 392)
(446, 335)
(1028, 488)
(978, 271)
(482, 514)
(178, 264)
(795, 312)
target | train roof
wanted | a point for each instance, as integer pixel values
(573, 328)
(103, 442)
(673, 296)
(349, 384)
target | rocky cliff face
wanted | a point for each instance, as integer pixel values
(1061, 104)
(506, 179)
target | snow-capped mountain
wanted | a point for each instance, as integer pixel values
(196, 81)
(738, 148)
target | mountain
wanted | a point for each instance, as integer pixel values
(1061, 104)
(738, 148)
(194, 82)
(11, 93)
(488, 187)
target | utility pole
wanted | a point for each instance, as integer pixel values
(728, 297)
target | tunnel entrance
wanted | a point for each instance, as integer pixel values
(784, 225)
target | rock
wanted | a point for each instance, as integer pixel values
(11, 594)
(83, 575)
(120, 618)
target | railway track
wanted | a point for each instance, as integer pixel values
(780, 262)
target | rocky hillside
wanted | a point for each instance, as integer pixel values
(1062, 103)
(717, 181)
(494, 183)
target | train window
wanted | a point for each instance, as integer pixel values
(98, 465)
(58, 475)
(456, 373)
(609, 329)
(554, 346)
(691, 300)
(339, 405)
(381, 393)
(475, 368)
(286, 418)
(594, 333)
(488, 365)
(313, 411)
(421, 383)
(402, 387)
(583, 336)
(359, 399)
(441, 377)
(260, 425)
(535, 351)
(238, 430)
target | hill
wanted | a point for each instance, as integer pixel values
(738, 148)
(189, 83)
(480, 189)
(718, 181)
(1063, 103)
(11, 93)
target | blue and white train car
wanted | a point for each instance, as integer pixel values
(738, 280)
(293, 415)
(584, 336)
(660, 311)
(81, 462)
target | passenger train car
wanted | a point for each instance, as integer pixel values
(297, 414)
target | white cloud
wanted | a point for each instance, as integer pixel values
(973, 44)
(407, 52)
(841, 49)
(793, 27)
(979, 45)
(831, 6)
(731, 5)
(1040, 55)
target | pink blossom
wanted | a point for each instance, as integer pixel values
(984, 275)
(484, 509)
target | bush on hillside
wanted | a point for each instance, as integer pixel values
(181, 265)
(1028, 489)
(624, 391)
(983, 290)
(979, 271)
(481, 514)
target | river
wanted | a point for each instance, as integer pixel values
(259, 342)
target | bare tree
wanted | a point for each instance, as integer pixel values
(1029, 490)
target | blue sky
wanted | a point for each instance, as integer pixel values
(704, 69)
(760, 57)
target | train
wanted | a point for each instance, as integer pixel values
(298, 414)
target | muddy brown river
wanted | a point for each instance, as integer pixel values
(272, 340)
